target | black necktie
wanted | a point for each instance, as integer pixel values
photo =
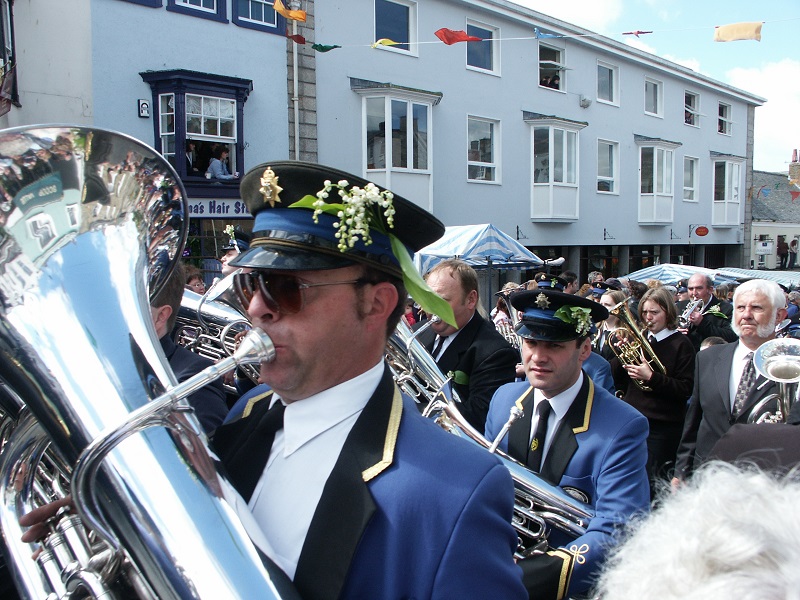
(536, 448)
(438, 346)
(651, 338)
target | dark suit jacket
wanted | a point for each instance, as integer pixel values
(709, 415)
(486, 360)
(599, 452)
(409, 510)
(711, 325)
(208, 402)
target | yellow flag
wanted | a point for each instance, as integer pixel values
(294, 15)
(738, 31)
(384, 42)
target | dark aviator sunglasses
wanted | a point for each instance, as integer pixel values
(281, 292)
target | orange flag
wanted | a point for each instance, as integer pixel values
(738, 31)
(384, 42)
(294, 15)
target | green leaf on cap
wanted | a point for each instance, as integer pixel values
(417, 288)
(308, 201)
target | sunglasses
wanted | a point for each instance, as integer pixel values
(281, 293)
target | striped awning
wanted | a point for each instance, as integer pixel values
(481, 246)
(670, 274)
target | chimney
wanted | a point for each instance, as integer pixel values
(794, 167)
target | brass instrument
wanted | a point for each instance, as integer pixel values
(538, 505)
(691, 306)
(505, 328)
(630, 345)
(211, 324)
(778, 360)
(92, 224)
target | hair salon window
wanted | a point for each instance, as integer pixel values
(405, 145)
(199, 114)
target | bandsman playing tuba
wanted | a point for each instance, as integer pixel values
(574, 434)
(664, 400)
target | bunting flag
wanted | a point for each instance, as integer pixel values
(450, 37)
(794, 195)
(795, 182)
(541, 36)
(766, 192)
(323, 47)
(738, 31)
(294, 15)
(297, 38)
(385, 42)
(637, 33)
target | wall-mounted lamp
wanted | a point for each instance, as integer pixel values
(144, 108)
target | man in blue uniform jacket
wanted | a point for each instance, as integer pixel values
(357, 494)
(574, 434)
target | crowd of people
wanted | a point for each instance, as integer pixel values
(624, 395)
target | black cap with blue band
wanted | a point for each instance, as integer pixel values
(552, 316)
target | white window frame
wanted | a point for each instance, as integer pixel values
(691, 187)
(613, 179)
(410, 100)
(495, 44)
(657, 207)
(726, 209)
(479, 165)
(166, 128)
(614, 70)
(659, 97)
(188, 4)
(267, 5)
(691, 112)
(553, 65)
(724, 122)
(413, 46)
(209, 101)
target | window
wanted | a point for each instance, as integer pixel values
(607, 83)
(259, 15)
(551, 67)
(8, 91)
(724, 122)
(216, 10)
(655, 182)
(653, 91)
(198, 114)
(727, 193)
(485, 55)
(409, 133)
(397, 20)
(482, 149)
(690, 166)
(607, 166)
(555, 153)
(691, 109)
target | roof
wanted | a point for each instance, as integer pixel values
(772, 201)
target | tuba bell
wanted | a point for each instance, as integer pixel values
(91, 223)
(778, 360)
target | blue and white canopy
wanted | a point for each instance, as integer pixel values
(670, 274)
(481, 246)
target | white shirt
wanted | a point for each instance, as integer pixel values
(447, 341)
(303, 455)
(737, 368)
(559, 404)
(663, 334)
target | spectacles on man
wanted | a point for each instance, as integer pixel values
(281, 292)
(197, 285)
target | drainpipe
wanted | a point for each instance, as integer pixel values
(295, 5)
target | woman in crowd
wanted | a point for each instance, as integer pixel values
(661, 397)
(599, 344)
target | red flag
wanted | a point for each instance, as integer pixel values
(637, 33)
(297, 38)
(794, 195)
(450, 37)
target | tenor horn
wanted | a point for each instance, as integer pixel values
(630, 345)
(778, 360)
(92, 224)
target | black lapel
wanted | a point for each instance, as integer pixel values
(564, 444)
(519, 433)
(238, 447)
(346, 505)
(452, 355)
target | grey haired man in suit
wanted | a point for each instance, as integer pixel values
(726, 387)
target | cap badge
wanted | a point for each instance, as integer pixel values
(542, 301)
(270, 188)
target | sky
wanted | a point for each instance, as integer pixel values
(683, 32)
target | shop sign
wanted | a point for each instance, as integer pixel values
(204, 208)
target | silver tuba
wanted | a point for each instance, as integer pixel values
(778, 360)
(90, 222)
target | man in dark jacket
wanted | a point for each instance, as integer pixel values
(712, 317)
(477, 358)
